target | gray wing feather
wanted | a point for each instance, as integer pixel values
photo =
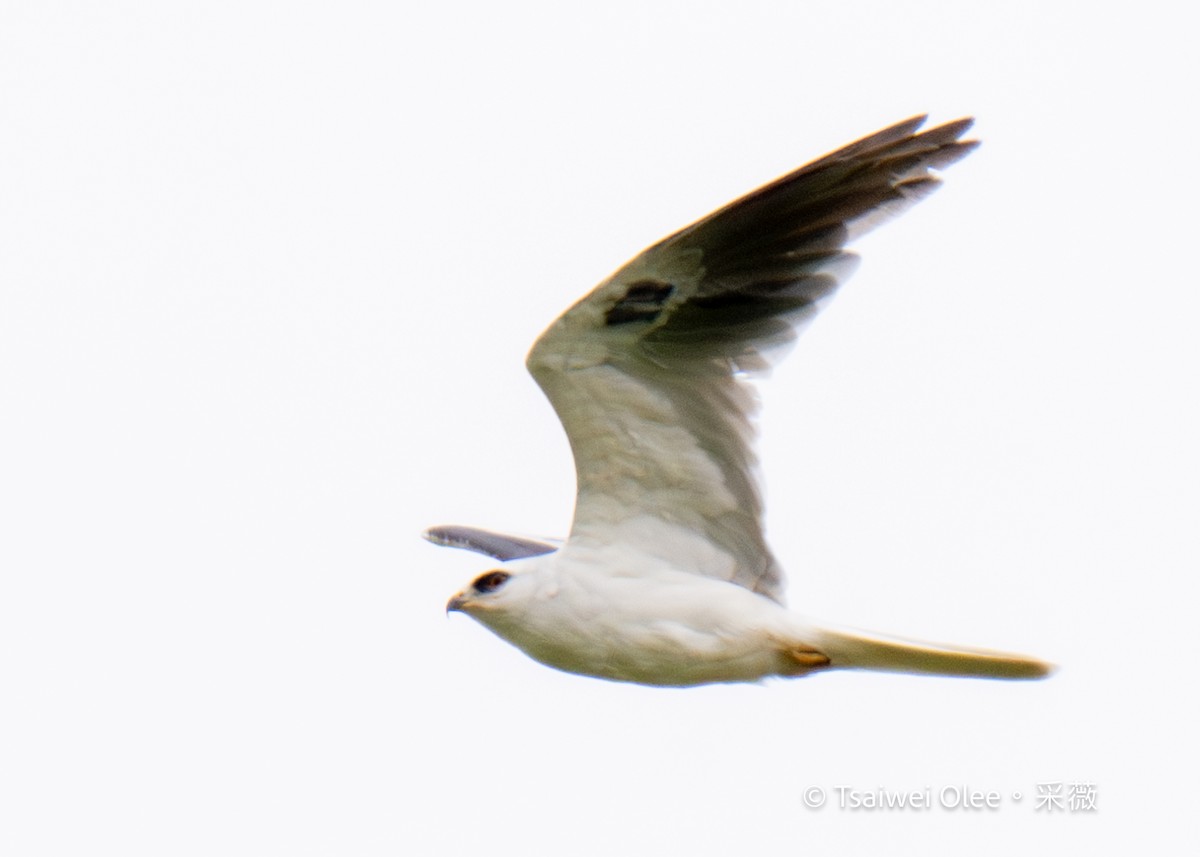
(496, 545)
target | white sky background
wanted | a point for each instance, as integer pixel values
(269, 272)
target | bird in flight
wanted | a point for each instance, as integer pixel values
(666, 578)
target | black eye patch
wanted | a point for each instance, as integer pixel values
(490, 582)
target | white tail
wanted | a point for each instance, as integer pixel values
(855, 650)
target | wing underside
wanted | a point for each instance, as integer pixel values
(648, 372)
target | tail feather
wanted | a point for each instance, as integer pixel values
(854, 650)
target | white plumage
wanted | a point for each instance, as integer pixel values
(666, 578)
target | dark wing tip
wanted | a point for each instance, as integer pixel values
(872, 142)
(770, 257)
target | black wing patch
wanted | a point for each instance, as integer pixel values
(643, 301)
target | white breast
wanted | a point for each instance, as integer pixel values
(647, 624)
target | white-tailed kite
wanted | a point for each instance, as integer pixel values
(666, 578)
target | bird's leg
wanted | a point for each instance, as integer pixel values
(804, 658)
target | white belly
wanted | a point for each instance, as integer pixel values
(670, 629)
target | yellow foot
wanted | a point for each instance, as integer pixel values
(806, 658)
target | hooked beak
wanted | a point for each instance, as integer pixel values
(456, 604)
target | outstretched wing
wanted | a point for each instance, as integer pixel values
(496, 545)
(648, 371)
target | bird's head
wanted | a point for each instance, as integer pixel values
(490, 595)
